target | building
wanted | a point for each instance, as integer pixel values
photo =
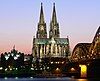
(52, 46)
(12, 59)
(28, 60)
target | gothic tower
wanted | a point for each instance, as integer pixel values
(54, 26)
(41, 32)
(52, 46)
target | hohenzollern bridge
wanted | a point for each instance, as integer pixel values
(87, 57)
(87, 51)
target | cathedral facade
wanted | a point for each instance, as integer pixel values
(52, 46)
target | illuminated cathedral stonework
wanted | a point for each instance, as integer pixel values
(52, 46)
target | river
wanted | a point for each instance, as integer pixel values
(45, 79)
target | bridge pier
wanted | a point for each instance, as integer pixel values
(87, 69)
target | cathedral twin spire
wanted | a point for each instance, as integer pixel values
(54, 18)
(41, 15)
(41, 32)
(54, 26)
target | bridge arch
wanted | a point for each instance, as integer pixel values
(80, 51)
(94, 50)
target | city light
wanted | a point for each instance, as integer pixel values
(16, 68)
(32, 68)
(16, 77)
(1, 68)
(5, 78)
(10, 69)
(6, 57)
(6, 69)
(40, 68)
(47, 67)
(63, 62)
(57, 69)
(72, 69)
(83, 70)
(15, 58)
(51, 62)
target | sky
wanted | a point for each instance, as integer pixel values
(78, 19)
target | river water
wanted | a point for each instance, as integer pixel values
(45, 79)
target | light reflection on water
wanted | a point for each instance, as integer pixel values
(44, 79)
(82, 80)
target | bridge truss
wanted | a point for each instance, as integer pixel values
(87, 51)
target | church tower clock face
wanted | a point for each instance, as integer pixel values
(41, 28)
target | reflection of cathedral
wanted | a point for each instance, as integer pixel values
(52, 46)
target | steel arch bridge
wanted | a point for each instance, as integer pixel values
(86, 51)
(80, 52)
(94, 50)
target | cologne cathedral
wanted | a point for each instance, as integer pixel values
(52, 46)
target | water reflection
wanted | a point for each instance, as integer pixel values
(82, 80)
(16, 77)
(45, 79)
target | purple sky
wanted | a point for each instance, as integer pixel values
(78, 19)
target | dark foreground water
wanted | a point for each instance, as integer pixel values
(45, 79)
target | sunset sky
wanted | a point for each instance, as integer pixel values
(78, 19)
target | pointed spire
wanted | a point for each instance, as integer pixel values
(54, 25)
(14, 47)
(41, 31)
(54, 18)
(41, 15)
(68, 39)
